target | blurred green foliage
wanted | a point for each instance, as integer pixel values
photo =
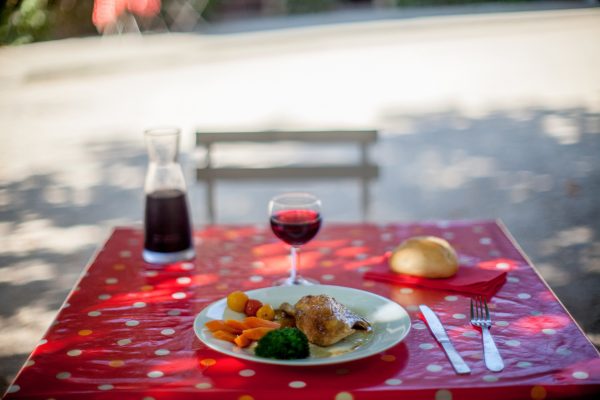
(27, 21)
(24, 21)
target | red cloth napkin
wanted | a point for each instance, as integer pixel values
(468, 279)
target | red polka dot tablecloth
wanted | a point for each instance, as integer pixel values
(125, 331)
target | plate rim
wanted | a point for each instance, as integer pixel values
(301, 362)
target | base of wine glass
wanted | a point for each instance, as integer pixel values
(298, 281)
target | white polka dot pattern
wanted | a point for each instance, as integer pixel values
(187, 266)
(106, 387)
(443, 394)
(434, 368)
(126, 292)
(13, 389)
(203, 385)
(63, 375)
(580, 375)
(524, 364)
(393, 382)
(155, 374)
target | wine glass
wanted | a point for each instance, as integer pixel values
(295, 219)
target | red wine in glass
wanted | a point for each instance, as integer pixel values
(295, 219)
(296, 227)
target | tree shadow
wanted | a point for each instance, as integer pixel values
(536, 169)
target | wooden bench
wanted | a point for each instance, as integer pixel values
(364, 171)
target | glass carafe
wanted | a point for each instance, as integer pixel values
(167, 226)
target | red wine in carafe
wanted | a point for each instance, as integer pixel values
(167, 222)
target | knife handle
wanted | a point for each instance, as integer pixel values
(459, 365)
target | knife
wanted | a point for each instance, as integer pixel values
(436, 327)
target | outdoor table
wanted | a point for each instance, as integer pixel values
(125, 331)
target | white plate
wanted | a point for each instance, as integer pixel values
(389, 320)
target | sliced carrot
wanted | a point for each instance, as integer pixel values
(254, 322)
(219, 325)
(257, 333)
(242, 341)
(223, 335)
(235, 324)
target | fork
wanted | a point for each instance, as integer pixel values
(480, 317)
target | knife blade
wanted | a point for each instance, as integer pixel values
(438, 331)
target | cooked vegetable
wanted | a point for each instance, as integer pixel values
(251, 335)
(266, 312)
(242, 333)
(242, 341)
(236, 301)
(283, 344)
(235, 324)
(255, 322)
(252, 307)
(284, 319)
(223, 335)
(256, 333)
(219, 325)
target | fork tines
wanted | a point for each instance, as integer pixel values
(480, 314)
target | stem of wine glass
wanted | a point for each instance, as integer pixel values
(294, 264)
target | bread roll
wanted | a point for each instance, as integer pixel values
(425, 256)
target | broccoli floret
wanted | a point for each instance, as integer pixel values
(283, 344)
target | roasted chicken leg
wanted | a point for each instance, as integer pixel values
(324, 320)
